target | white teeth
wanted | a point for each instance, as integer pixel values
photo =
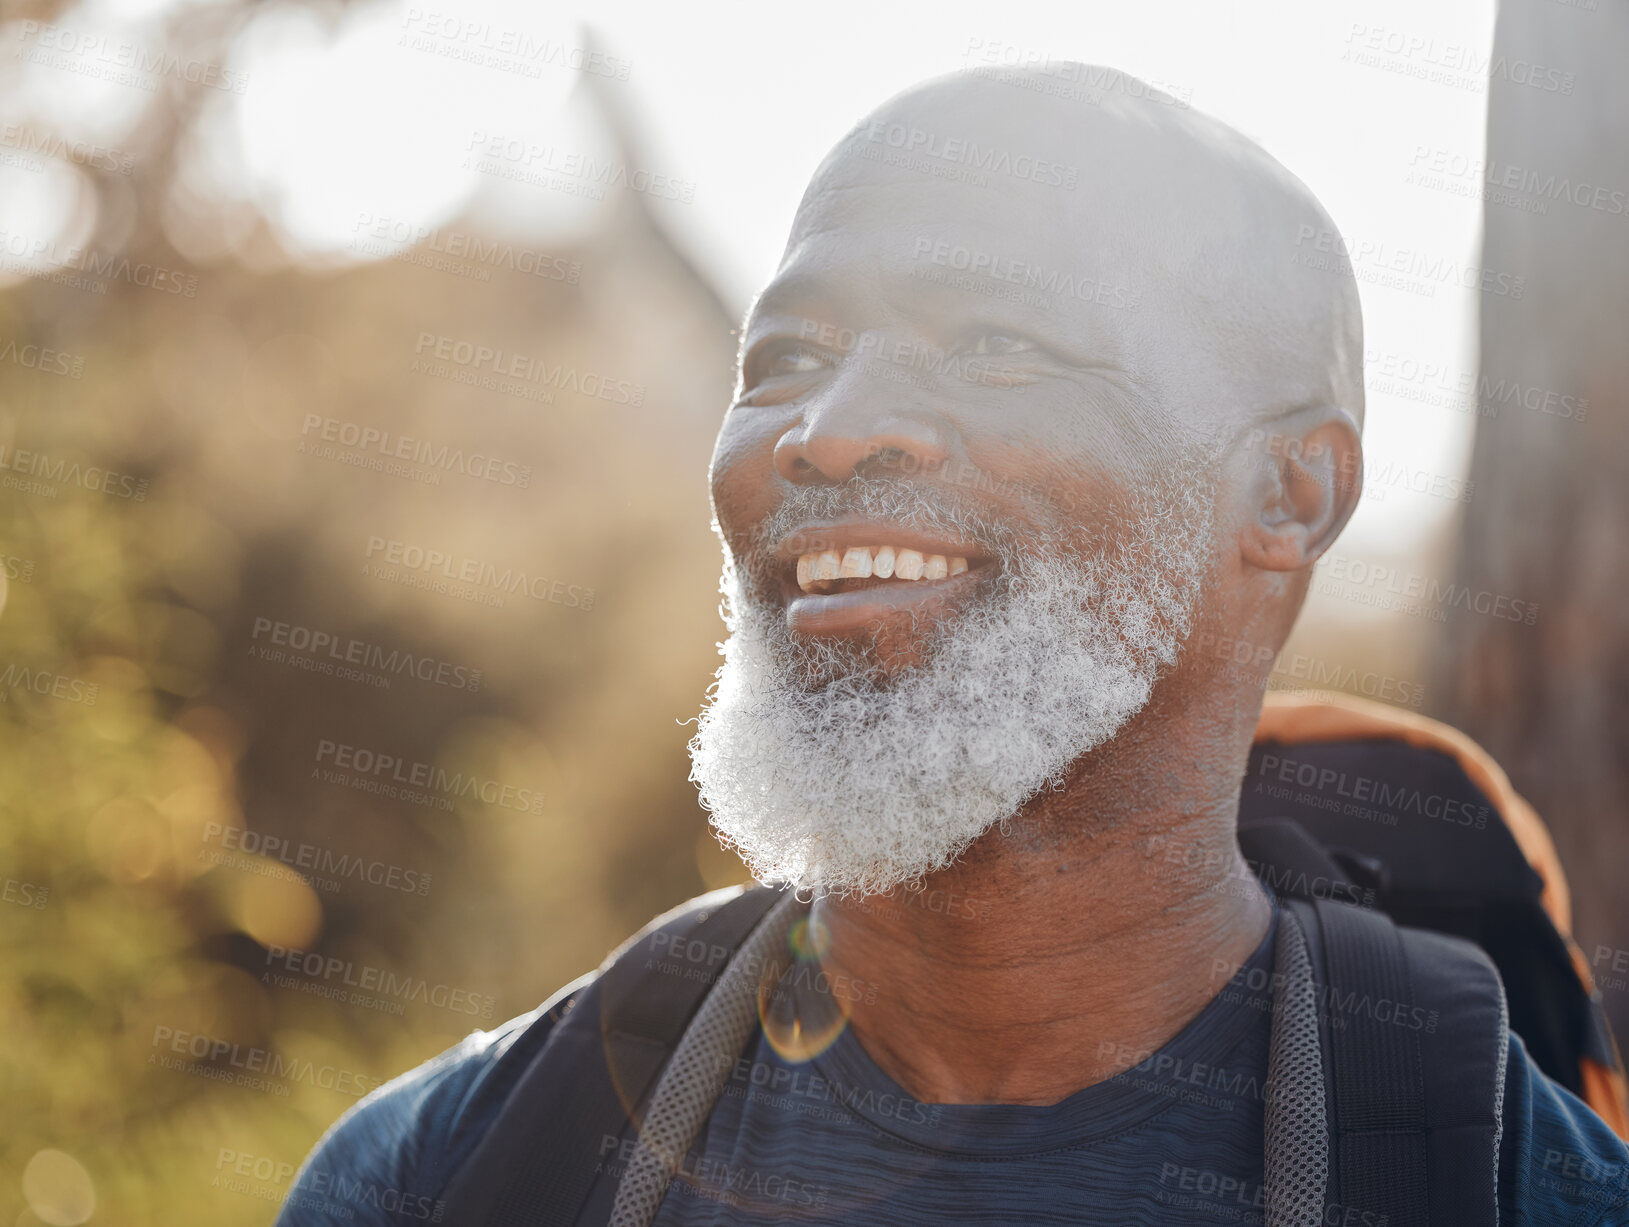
(856, 564)
(883, 561)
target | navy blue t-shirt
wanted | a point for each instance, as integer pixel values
(1175, 1138)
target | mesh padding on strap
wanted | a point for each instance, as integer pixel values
(700, 1066)
(1297, 1145)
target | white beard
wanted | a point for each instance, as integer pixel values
(823, 774)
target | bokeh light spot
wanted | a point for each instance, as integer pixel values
(58, 1188)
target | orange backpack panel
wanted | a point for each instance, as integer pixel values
(1287, 720)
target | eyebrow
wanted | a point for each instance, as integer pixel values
(799, 294)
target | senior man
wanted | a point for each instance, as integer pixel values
(1042, 396)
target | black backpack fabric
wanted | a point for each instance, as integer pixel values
(551, 1157)
(1412, 1026)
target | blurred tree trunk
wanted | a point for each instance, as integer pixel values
(1549, 520)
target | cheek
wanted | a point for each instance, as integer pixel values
(1034, 480)
(1048, 449)
(742, 476)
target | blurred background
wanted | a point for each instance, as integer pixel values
(359, 366)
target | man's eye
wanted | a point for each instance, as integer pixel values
(786, 360)
(1001, 343)
(791, 361)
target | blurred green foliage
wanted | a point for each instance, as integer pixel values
(160, 1061)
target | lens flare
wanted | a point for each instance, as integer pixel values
(803, 1009)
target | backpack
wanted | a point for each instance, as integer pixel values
(1423, 913)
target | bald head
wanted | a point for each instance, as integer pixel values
(1206, 241)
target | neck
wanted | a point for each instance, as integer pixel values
(1055, 955)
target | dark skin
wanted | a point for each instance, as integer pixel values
(1115, 908)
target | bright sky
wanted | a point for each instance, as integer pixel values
(376, 117)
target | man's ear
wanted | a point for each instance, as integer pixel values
(1304, 476)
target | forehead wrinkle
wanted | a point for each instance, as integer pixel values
(835, 254)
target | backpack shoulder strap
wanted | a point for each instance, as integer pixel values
(543, 1161)
(1414, 1033)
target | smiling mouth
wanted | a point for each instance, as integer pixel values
(856, 577)
(858, 567)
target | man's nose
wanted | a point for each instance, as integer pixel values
(850, 427)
